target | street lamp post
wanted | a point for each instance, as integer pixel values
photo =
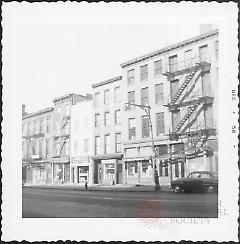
(147, 110)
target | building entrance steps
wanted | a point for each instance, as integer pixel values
(120, 188)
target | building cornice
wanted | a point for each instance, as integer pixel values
(46, 110)
(171, 48)
(107, 81)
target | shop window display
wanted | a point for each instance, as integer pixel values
(109, 171)
(132, 169)
(146, 169)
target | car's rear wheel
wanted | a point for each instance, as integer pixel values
(209, 189)
(177, 189)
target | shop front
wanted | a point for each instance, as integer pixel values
(138, 171)
(60, 171)
(201, 159)
(108, 171)
(81, 170)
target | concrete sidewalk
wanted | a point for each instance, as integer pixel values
(117, 188)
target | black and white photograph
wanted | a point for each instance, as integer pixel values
(119, 120)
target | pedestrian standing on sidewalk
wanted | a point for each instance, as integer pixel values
(86, 186)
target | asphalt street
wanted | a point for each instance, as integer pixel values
(61, 203)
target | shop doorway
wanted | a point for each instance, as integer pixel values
(100, 173)
(119, 174)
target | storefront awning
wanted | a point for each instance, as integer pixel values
(136, 159)
(107, 156)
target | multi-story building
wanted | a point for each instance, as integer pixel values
(180, 84)
(37, 146)
(107, 132)
(81, 163)
(61, 135)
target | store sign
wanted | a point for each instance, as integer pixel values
(81, 160)
(200, 152)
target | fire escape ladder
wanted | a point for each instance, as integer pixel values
(194, 119)
(186, 116)
(185, 83)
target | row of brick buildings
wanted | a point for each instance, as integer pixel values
(96, 138)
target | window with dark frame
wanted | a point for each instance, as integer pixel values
(106, 118)
(117, 117)
(159, 93)
(157, 68)
(106, 97)
(144, 72)
(130, 77)
(118, 142)
(117, 97)
(107, 144)
(131, 128)
(176, 170)
(145, 127)
(97, 120)
(160, 123)
(131, 99)
(97, 145)
(144, 96)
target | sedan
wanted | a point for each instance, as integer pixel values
(203, 181)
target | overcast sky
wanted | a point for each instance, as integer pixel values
(60, 53)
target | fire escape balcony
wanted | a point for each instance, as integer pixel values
(186, 66)
(196, 106)
(36, 135)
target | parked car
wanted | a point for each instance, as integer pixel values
(197, 181)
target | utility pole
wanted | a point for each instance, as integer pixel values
(147, 110)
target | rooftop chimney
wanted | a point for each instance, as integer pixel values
(205, 28)
(23, 109)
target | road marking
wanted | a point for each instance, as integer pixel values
(121, 199)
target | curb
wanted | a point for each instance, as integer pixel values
(89, 189)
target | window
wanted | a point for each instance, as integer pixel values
(160, 123)
(97, 144)
(58, 111)
(41, 125)
(144, 96)
(131, 99)
(131, 128)
(132, 169)
(166, 171)
(106, 118)
(97, 120)
(117, 117)
(23, 129)
(57, 148)
(86, 145)
(130, 76)
(179, 148)
(40, 146)
(146, 169)
(182, 169)
(109, 171)
(47, 147)
(176, 170)
(158, 68)
(188, 58)
(106, 97)
(97, 99)
(144, 72)
(174, 84)
(159, 93)
(216, 49)
(117, 95)
(145, 127)
(48, 125)
(107, 144)
(203, 53)
(118, 142)
(29, 129)
(161, 149)
(34, 127)
(34, 147)
(67, 147)
(173, 64)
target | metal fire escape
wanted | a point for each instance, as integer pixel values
(63, 134)
(187, 102)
